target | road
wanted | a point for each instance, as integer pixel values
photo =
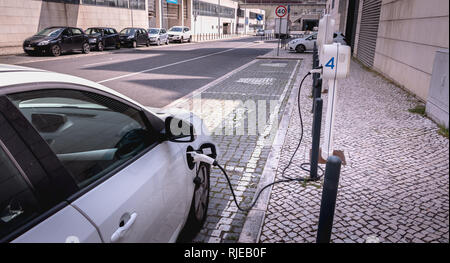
(156, 76)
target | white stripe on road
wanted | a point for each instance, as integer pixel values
(173, 64)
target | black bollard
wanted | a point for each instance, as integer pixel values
(317, 89)
(328, 203)
(317, 121)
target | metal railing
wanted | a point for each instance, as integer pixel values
(216, 36)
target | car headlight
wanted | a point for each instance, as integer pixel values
(92, 40)
(130, 37)
(43, 43)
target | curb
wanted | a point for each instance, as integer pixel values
(254, 221)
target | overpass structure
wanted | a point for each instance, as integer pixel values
(303, 14)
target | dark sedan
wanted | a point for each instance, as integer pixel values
(133, 37)
(57, 40)
(103, 37)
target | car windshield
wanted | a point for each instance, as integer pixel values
(92, 31)
(153, 31)
(176, 29)
(128, 31)
(51, 32)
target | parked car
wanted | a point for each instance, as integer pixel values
(133, 37)
(82, 163)
(57, 40)
(180, 34)
(158, 36)
(306, 43)
(260, 32)
(103, 37)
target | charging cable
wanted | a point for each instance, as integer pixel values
(200, 157)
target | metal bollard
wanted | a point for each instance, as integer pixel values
(316, 126)
(317, 88)
(328, 203)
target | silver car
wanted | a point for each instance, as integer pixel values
(158, 36)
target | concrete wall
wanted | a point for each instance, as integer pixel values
(20, 19)
(409, 34)
(210, 24)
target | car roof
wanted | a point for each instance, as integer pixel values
(15, 75)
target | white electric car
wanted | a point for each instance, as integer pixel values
(82, 163)
(306, 43)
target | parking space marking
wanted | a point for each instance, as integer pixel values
(245, 180)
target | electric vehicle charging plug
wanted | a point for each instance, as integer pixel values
(198, 157)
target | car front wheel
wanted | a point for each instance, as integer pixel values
(86, 48)
(300, 48)
(199, 205)
(56, 50)
(100, 46)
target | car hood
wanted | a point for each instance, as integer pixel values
(174, 33)
(153, 35)
(37, 39)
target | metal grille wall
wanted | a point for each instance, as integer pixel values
(368, 31)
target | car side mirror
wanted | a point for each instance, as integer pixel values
(177, 130)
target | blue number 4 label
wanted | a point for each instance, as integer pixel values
(330, 63)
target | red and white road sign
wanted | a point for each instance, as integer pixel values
(281, 11)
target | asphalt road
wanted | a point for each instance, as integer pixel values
(156, 76)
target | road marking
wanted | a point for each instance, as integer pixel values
(256, 81)
(207, 86)
(245, 179)
(173, 64)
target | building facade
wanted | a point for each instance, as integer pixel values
(20, 19)
(397, 38)
(303, 14)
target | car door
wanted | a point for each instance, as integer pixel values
(66, 40)
(163, 37)
(77, 39)
(132, 185)
(109, 34)
(25, 213)
(144, 35)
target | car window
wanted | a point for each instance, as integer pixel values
(50, 32)
(163, 31)
(67, 32)
(89, 133)
(76, 31)
(18, 204)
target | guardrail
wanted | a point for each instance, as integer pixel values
(217, 36)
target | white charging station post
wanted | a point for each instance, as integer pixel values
(335, 61)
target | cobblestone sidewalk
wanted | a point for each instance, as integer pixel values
(267, 83)
(395, 186)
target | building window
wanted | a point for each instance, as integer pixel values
(76, 2)
(207, 9)
(134, 4)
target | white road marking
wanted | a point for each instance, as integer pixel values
(172, 64)
(245, 179)
(256, 81)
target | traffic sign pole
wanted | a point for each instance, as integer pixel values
(280, 11)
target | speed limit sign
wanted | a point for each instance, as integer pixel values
(281, 11)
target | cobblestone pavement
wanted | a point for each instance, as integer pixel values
(267, 83)
(395, 186)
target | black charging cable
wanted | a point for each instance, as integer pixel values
(286, 178)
